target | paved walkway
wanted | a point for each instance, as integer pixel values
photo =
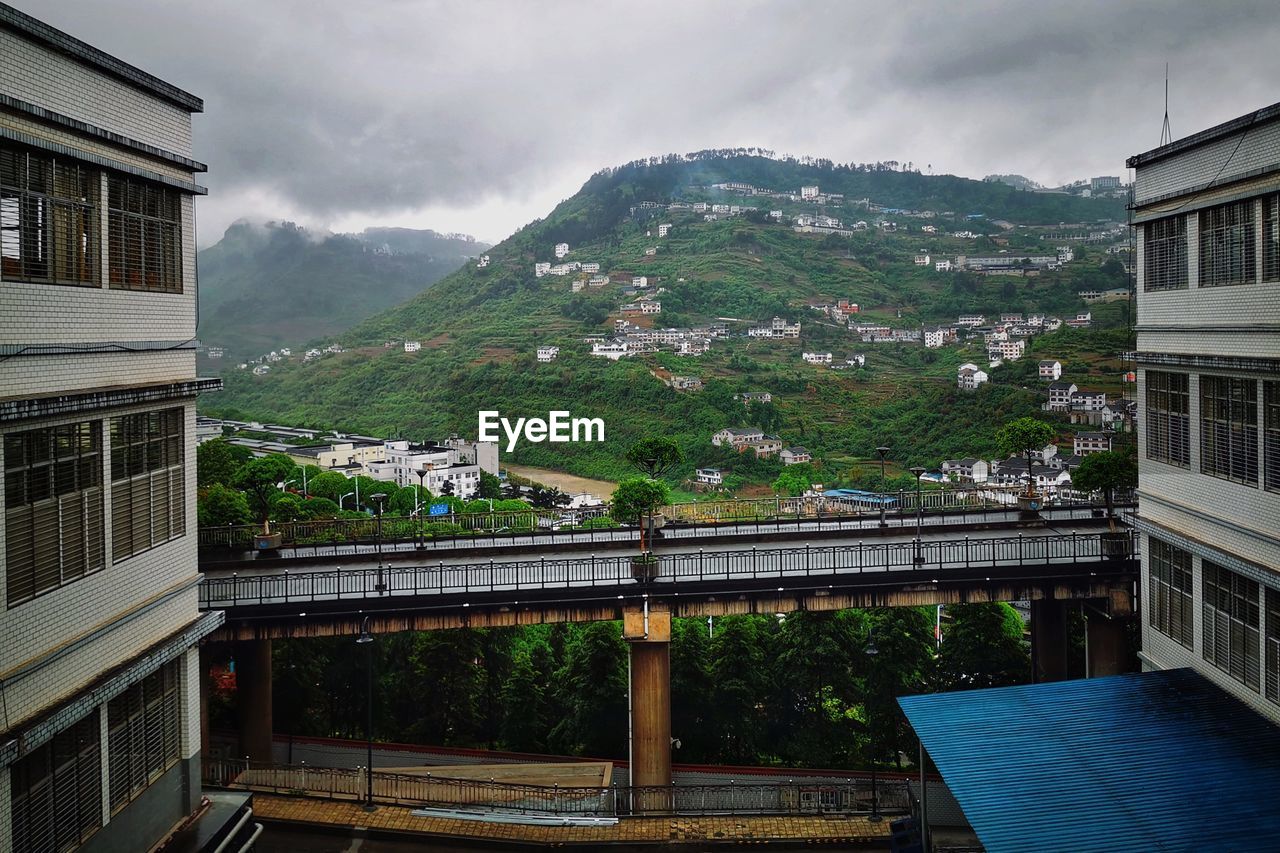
(635, 830)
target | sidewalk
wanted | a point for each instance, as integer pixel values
(813, 830)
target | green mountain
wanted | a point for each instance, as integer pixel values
(479, 328)
(267, 286)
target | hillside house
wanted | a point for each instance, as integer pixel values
(548, 354)
(966, 470)
(1088, 401)
(612, 350)
(1086, 443)
(640, 281)
(777, 328)
(971, 320)
(1007, 350)
(750, 397)
(412, 346)
(664, 229)
(735, 437)
(590, 267)
(541, 268)
(970, 376)
(794, 456)
(1047, 479)
(808, 193)
(922, 260)
(1051, 370)
(709, 477)
(764, 448)
(482, 262)
(650, 252)
(577, 286)
(943, 266)
(858, 360)
(817, 357)
(934, 338)
(562, 249)
(598, 281)
(686, 383)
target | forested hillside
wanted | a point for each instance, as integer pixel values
(479, 328)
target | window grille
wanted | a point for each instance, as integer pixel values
(1227, 244)
(1273, 645)
(143, 724)
(53, 508)
(1229, 428)
(144, 236)
(148, 500)
(1271, 435)
(1170, 606)
(56, 791)
(1271, 238)
(1164, 254)
(48, 218)
(1168, 417)
(1231, 618)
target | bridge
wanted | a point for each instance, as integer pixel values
(779, 565)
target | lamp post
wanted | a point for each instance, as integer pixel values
(366, 639)
(377, 499)
(883, 451)
(344, 497)
(871, 652)
(422, 475)
(919, 472)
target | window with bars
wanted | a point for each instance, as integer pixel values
(144, 245)
(142, 734)
(56, 791)
(48, 218)
(1171, 608)
(1231, 620)
(1168, 417)
(1273, 646)
(1227, 244)
(148, 501)
(1164, 254)
(1271, 238)
(1229, 428)
(1271, 435)
(53, 508)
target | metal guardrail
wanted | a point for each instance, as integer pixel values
(852, 796)
(612, 571)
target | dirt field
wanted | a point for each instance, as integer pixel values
(567, 483)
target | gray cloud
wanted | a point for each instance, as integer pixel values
(390, 109)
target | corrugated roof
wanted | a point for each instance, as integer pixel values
(1154, 761)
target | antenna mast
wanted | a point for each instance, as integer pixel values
(1166, 135)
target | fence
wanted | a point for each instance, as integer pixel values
(851, 796)
(805, 561)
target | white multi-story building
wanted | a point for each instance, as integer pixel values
(664, 229)
(1051, 370)
(640, 281)
(412, 346)
(808, 193)
(562, 249)
(1207, 213)
(1007, 350)
(817, 357)
(440, 469)
(482, 262)
(590, 266)
(548, 354)
(100, 674)
(541, 268)
(970, 376)
(934, 338)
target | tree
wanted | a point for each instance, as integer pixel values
(655, 456)
(490, 486)
(637, 497)
(1025, 436)
(217, 462)
(260, 480)
(1106, 472)
(594, 680)
(692, 700)
(794, 480)
(983, 647)
(329, 484)
(523, 698)
(218, 505)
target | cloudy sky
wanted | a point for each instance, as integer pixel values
(477, 116)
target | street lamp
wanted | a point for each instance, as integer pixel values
(344, 497)
(871, 651)
(883, 451)
(366, 639)
(919, 472)
(377, 499)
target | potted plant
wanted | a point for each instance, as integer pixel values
(260, 480)
(1026, 436)
(1107, 472)
(635, 500)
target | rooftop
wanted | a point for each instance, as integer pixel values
(1204, 137)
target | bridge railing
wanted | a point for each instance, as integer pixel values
(849, 796)
(923, 556)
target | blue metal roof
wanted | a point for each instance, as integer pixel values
(1154, 761)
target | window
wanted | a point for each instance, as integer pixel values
(1271, 435)
(145, 236)
(1273, 645)
(1227, 244)
(56, 795)
(1164, 254)
(48, 219)
(148, 498)
(1171, 605)
(53, 507)
(1231, 623)
(142, 734)
(1168, 417)
(1271, 238)
(1229, 428)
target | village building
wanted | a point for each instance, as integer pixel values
(548, 354)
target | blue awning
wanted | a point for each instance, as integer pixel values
(1154, 761)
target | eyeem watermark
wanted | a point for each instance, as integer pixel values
(558, 427)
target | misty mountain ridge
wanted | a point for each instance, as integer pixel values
(265, 285)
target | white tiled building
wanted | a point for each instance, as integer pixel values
(99, 671)
(1207, 211)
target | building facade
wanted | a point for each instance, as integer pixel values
(1206, 210)
(100, 737)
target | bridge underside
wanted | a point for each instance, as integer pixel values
(1109, 580)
